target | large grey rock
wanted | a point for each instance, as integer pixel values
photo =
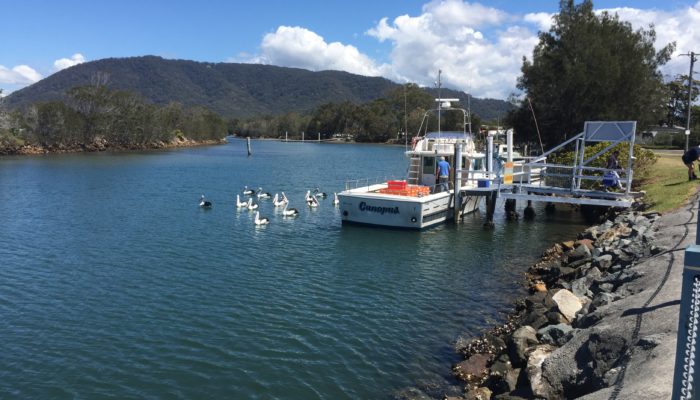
(540, 387)
(600, 300)
(580, 252)
(603, 262)
(555, 335)
(567, 303)
(581, 287)
(523, 338)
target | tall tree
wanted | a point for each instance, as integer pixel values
(678, 100)
(590, 67)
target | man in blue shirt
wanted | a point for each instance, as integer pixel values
(689, 158)
(443, 174)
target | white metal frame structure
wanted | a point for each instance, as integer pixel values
(614, 132)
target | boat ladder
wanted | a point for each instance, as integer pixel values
(414, 171)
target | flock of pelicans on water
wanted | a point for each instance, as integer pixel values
(277, 201)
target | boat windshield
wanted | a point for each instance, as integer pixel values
(447, 135)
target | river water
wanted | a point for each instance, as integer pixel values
(115, 284)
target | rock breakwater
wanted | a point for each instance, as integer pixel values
(554, 345)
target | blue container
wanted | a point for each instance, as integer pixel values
(484, 183)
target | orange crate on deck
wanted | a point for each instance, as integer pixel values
(409, 190)
(397, 185)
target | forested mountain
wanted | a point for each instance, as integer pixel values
(232, 90)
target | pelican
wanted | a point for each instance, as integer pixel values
(309, 198)
(292, 212)
(204, 203)
(336, 202)
(247, 192)
(241, 204)
(319, 193)
(312, 202)
(262, 195)
(260, 221)
(277, 202)
(251, 205)
(284, 198)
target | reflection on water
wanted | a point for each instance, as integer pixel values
(115, 283)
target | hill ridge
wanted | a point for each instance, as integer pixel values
(233, 90)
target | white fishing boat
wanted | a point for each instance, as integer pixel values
(417, 202)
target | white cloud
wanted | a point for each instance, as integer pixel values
(19, 75)
(64, 63)
(681, 25)
(479, 48)
(293, 46)
(543, 21)
(448, 36)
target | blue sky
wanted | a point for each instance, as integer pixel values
(478, 45)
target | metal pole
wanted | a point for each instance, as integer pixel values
(457, 181)
(489, 154)
(405, 119)
(685, 374)
(509, 144)
(690, 96)
(250, 151)
(439, 100)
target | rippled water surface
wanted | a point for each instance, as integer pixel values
(113, 283)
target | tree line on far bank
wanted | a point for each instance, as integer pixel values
(378, 121)
(587, 67)
(95, 117)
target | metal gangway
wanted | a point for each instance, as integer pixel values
(558, 183)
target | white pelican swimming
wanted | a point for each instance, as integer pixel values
(318, 193)
(291, 212)
(241, 204)
(251, 205)
(260, 221)
(262, 195)
(279, 202)
(247, 192)
(336, 202)
(313, 202)
(204, 203)
(309, 198)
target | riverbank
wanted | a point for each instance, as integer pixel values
(600, 321)
(102, 145)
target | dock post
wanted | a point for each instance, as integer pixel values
(490, 208)
(250, 151)
(457, 182)
(511, 214)
(529, 212)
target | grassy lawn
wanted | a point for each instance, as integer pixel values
(668, 187)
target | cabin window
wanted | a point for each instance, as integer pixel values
(478, 164)
(429, 165)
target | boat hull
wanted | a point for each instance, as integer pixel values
(400, 212)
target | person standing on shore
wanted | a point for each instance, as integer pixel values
(689, 157)
(443, 173)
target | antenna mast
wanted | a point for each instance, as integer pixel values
(439, 85)
(690, 96)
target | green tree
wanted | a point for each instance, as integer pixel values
(677, 114)
(590, 67)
